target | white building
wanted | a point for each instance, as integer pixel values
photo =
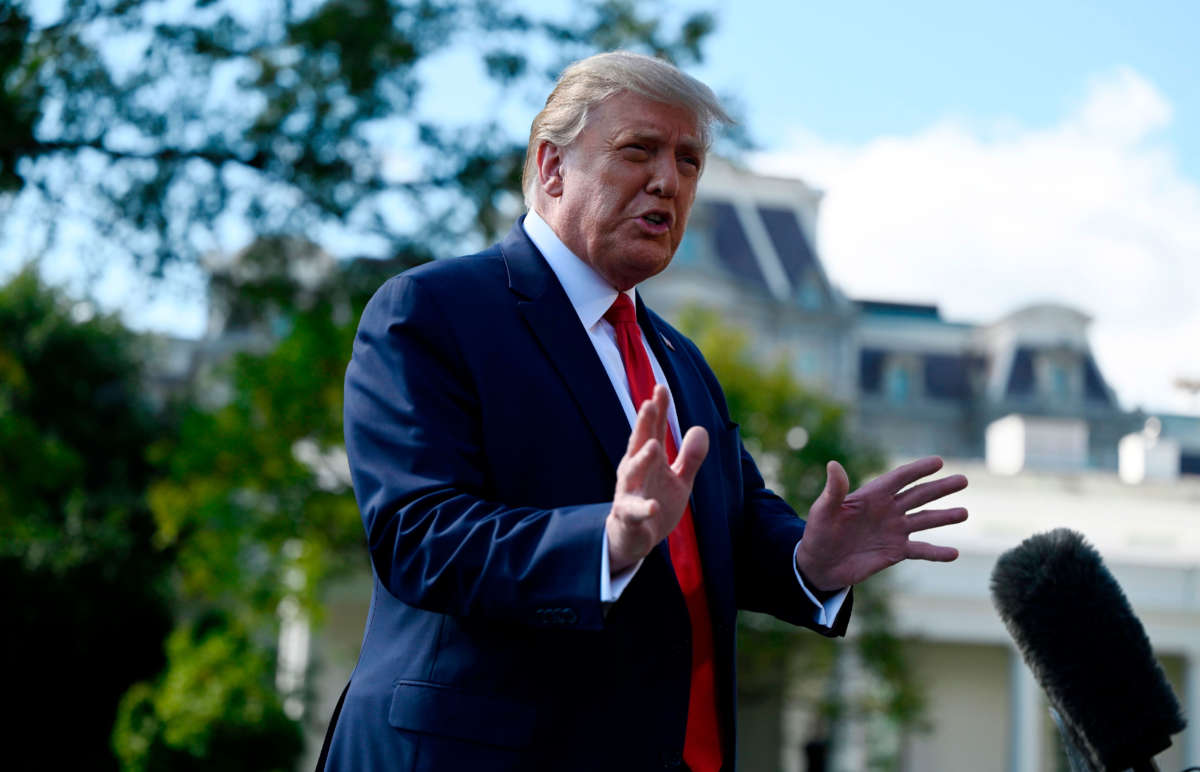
(1018, 405)
(985, 710)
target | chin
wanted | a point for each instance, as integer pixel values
(639, 260)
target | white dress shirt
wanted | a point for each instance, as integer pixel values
(591, 297)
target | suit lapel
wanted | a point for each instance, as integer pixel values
(690, 396)
(553, 321)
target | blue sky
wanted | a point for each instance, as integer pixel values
(858, 70)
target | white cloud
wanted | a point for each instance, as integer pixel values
(1092, 212)
(1124, 107)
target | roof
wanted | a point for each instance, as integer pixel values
(894, 308)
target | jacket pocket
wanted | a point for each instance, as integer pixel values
(449, 712)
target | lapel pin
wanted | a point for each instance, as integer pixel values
(664, 340)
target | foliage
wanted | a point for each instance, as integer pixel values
(897, 696)
(165, 124)
(74, 430)
(87, 603)
(215, 703)
(255, 496)
(770, 405)
(253, 504)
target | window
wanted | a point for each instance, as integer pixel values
(897, 383)
(1059, 376)
(1060, 385)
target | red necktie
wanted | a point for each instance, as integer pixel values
(702, 743)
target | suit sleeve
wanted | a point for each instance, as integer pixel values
(413, 435)
(766, 579)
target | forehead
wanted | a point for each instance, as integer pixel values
(632, 114)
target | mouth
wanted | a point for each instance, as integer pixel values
(656, 220)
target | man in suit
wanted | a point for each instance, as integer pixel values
(557, 563)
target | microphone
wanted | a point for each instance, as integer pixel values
(1075, 629)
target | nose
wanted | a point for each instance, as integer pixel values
(664, 177)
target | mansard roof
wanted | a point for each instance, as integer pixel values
(759, 232)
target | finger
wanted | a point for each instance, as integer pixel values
(903, 476)
(837, 485)
(636, 509)
(691, 454)
(643, 427)
(662, 402)
(934, 518)
(919, 550)
(920, 495)
(651, 453)
(632, 474)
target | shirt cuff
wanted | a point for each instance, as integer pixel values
(612, 585)
(827, 612)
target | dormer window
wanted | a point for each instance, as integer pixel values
(898, 384)
(1060, 388)
(1059, 376)
(900, 378)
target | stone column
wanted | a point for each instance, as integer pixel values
(1025, 745)
(849, 733)
(1191, 708)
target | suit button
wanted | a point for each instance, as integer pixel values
(672, 759)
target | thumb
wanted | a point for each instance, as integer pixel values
(691, 454)
(837, 485)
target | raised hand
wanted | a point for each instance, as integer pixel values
(651, 493)
(850, 537)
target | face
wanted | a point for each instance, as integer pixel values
(619, 196)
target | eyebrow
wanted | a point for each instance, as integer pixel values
(687, 143)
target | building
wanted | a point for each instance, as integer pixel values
(916, 382)
(1018, 404)
(1021, 407)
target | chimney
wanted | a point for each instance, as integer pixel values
(1147, 456)
(1018, 442)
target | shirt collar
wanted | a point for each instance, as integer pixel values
(590, 295)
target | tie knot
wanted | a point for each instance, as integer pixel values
(621, 311)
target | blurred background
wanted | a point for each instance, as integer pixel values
(936, 229)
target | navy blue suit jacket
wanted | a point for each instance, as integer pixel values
(484, 436)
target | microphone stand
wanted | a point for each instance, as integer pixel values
(1075, 759)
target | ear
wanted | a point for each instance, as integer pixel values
(550, 169)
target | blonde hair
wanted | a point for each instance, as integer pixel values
(588, 82)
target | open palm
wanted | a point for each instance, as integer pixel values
(850, 536)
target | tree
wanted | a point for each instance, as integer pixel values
(215, 705)
(87, 601)
(161, 126)
(792, 433)
(254, 504)
(254, 498)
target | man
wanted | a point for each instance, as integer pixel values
(557, 564)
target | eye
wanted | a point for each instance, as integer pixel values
(690, 163)
(635, 151)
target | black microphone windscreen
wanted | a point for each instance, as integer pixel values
(1079, 636)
